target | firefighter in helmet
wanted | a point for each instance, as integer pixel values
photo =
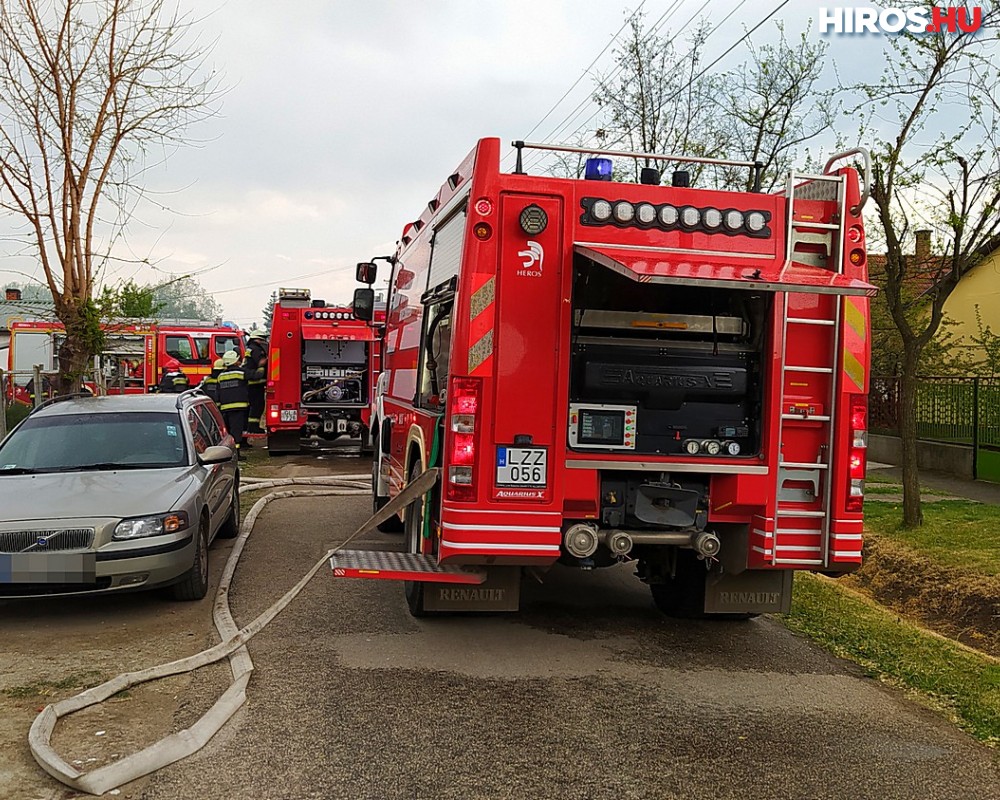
(256, 361)
(234, 397)
(173, 380)
(210, 383)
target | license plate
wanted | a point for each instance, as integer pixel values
(522, 466)
(38, 567)
(289, 415)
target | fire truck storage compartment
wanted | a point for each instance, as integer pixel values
(658, 368)
(334, 371)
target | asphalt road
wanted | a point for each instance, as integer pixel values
(588, 693)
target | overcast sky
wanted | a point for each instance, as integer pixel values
(343, 118)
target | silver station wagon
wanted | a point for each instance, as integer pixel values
(110, 494)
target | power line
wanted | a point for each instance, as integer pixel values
(573, 115)
(283, 279)
(628, 21)
(586, 69)
(735, 44)
(704, 71)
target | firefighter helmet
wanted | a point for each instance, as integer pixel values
(171, 365)
(257, 333)
(218, 364)
(230, 358)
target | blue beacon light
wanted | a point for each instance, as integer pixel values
(597, 169)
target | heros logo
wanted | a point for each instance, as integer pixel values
(936, 19)
(532, 260)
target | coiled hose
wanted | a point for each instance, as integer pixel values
(233, 645)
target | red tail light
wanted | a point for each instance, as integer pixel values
(857, 453)
(460, 438)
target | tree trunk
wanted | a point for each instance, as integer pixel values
(913, 515)
(77, 349)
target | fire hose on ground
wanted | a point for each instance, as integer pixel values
(183, 743)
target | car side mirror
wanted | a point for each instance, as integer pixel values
(365, 272)
(216, 454)
(364, 304)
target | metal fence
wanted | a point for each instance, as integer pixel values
(960, 411)
(18, 393)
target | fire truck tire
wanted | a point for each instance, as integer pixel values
(231, 527)
(683, 596)
(366, 448)
(394, 524)
(413, 530)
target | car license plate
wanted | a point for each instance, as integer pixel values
(289, 415)
(41, 567)
(522, 466)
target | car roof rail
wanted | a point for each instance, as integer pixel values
(194, 391)
(58, 399)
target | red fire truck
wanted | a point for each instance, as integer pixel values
(604, 372)
(132, 355)
(322, 367)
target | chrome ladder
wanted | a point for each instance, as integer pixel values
(802, 516)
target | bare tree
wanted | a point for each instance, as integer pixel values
(89, 91)
(769, 107)
(936, 165)
(654, 100)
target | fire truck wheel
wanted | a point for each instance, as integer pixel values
(683, 596)
(231, 527)
(392, 525)
(414, 525)
(366, 447)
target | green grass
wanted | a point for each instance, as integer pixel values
(876, 478)
(884, 488)
(962, 684)
(955, 533)
(77, 680)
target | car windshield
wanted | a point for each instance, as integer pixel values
(73, 442)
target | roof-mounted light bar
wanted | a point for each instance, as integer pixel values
(294, 294)
(756, 166)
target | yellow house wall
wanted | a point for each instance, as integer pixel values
(981, 286)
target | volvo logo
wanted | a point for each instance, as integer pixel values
(42, 541)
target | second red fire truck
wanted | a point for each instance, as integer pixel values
(133, 354)
(605, 372)
(322, 366)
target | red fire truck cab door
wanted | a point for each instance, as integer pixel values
(649, 265)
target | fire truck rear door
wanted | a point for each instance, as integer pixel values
(529, 286)
(652, 265)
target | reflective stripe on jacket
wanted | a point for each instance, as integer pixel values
(176, 382)
(233, 389)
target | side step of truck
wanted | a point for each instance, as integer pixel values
(393, 566)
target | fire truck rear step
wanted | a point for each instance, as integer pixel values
(808, 321)
(393, 566)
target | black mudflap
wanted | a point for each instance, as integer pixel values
(754, 591)
(500, 592)
(284, 442)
